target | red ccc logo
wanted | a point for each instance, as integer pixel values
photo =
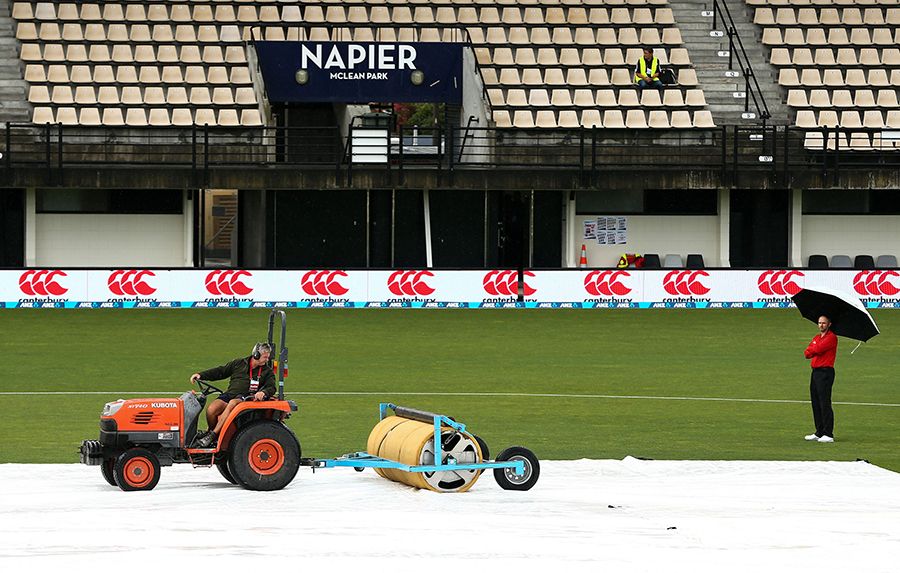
(227, 283)
(130, 283)
(410, 283)
(685, 283)
(875, 283)
(42, 283)
(779, 283)
(606, 283)
(506, 283)
(323, 283)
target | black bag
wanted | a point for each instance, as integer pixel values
(667, 76)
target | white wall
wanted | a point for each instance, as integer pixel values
(849, 235)
(655, 234)
(74, 240)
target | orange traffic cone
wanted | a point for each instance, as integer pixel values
(583, 262)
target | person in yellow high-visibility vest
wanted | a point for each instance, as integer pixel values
(646, 73)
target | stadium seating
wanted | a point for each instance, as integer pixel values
(672, 262)
(886, 262)
(864, 262)
(818, 262)
(520, 45)
(841, 262)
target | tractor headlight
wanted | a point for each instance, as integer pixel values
(112, 407)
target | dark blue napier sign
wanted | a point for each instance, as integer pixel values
(361, 72)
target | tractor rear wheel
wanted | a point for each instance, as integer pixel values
(264, 456)
(107, 468)
(136, 469)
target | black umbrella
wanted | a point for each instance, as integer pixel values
(849, 318)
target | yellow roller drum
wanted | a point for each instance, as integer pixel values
(393, 444)
(379, 433)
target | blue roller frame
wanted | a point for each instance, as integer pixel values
(366, 460)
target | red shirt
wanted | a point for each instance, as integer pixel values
(822, 350)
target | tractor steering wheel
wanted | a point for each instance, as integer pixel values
(206, 388)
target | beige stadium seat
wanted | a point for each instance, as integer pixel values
(122, 53)
(856, 78)
(650, 98)
(811, 77)
(845, 57)
(153, 95)
(85, 95)
(780, 57)
(816, 37)
(576, 77)
(42, 115)
(568, 119)
(850, 119)
(554, 77)
(785, 17)
(622, 77)
(613, 119)
(703, 119)
(836, 37)
(607, 37)
(159, 117)
(103, 74)
(860, 141)
(49, 32)
(590, 118)
(245, 96)
(66, 116)
(270, 14)
(291, 13)
(627, 98)
(687, 77)
(200, 96)
(126, 75)
(445, 15)
(158, 13)
(605, 98)
(117, 33)
(863, 99)
(511, 16)
(251, 118)
(532, 77)
(89, 116)
(35, 73)
(195, 75)
(205, 117)
(562, 37)
(591, 57)
(584, 37)
(45, 11)
(772, 37)
(510, 77)
(877, 78)
(502, 119)
(628, 37)
(190, 55)
(523, 119)
(673, 98)
(62, 95)
(803, 56)
(619, 16)
(176, 96)
(113, 13)
(239, 75)
(94, 33)
(806, 119)
(144, 54)
(890, 57)
(76, 53)
(108, 95)
(859, 37)
(161, 33)
(576, 16)
(214, 55)
(695, 98)
(828, 118)
(658, 119)
(763, 17)
(186, 34)
(182, 117)
(222, 96)
(136, 117)
(516, 98)
(636, 119)
(598, 77)
(228, 117)
(22, 11)
(561, 98)
(489, 77)
(545, 119)
(650, 37)
(583, 98)
(613, 57)
(873, 119)
(892, 119)
(830, 77)
(535, 16)
(38, 94)
(788, 77)
(362, 35)
(167, 54)
(112, 117)
(335, 15)
(681, 119)
(135, 13)
(203, 13)
(525, 57)
(807, 17)
(53, 53)
(131, 95)
(819, 98)
(671, 36)
(149, 75)
(91, 12)
(887, 99)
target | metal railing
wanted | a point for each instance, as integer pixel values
(751, 84)
(583, 155)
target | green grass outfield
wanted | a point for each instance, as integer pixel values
(662, 384)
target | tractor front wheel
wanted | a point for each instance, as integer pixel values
(264, 456)
(136, 469)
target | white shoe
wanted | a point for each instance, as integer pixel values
(811, 437)
(826, 440)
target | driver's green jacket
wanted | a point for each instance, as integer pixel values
(238, 370)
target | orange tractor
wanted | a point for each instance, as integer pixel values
(255, 450)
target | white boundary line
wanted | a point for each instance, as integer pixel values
(486, 394)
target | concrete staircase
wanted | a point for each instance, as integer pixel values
(14, 106)
(712, 68)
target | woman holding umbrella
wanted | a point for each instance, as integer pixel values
(821, 351)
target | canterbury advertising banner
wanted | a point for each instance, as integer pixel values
(361, 72)
(199, 288)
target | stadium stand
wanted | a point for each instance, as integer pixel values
(147, 49)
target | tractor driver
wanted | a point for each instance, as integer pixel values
(251, 378)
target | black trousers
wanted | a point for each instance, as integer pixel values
(820, 384)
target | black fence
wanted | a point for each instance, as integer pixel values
(777, 154)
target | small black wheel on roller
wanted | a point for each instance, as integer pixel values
(485, 452)
(107, 469)
(507, 478)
